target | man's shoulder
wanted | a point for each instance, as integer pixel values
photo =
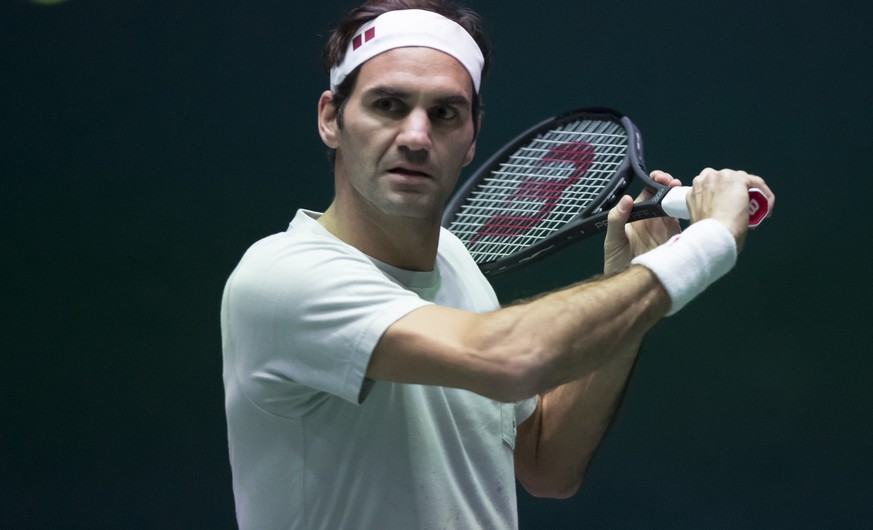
(303, 255)
(303, 237)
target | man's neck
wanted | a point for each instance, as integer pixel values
(403, 242)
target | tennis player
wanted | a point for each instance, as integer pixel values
(372, 380)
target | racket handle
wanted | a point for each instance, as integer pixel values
(674, 204)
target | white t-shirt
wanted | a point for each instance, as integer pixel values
(313, 444)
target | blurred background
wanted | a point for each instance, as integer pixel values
(146, 145)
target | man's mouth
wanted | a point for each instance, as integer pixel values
(409, 172)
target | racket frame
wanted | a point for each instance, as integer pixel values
(594, 217)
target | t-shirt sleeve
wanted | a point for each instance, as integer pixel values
(524, 409)
(300, 317)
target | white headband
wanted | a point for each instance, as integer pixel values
(410, 27)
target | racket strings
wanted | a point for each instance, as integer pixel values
(540, 188)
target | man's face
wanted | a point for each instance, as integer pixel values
(407, 132)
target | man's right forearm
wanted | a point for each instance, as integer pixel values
(566, 334)
(525, 349)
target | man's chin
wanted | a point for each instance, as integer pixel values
(413, 210)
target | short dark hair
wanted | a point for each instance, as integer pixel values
(338, 42)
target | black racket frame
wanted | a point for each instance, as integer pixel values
(588, 222)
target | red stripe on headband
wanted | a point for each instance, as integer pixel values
(368, 35)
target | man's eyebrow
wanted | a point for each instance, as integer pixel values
(455, 99)
(389, 91)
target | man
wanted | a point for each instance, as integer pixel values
(371, 379)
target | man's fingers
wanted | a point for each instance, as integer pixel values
(618, 217)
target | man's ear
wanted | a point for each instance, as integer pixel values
(327, 120)
(472, 150)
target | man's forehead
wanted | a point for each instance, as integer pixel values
(416, 68)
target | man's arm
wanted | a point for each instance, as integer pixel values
(557, 442)
(555, 445)
(524, 349)
(575, 347)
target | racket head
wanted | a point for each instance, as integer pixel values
(550, 186)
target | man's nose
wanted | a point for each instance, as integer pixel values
(415, 131)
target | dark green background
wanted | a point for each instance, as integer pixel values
(146, 144)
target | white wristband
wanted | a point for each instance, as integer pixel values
(690, 262)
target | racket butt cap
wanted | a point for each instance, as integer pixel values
(759, 207)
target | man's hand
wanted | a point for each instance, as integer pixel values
(625, 241)
(724, 196)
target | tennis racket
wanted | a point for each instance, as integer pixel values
(554, 185)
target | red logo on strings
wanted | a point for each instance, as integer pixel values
(539, 188)
(362, 38)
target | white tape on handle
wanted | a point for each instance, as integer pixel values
(674, 203)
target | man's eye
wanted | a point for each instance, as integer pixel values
(387, 105)
(445, 113)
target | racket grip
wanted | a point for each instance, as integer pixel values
(674, 204)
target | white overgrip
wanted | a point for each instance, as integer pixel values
(674, 203)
